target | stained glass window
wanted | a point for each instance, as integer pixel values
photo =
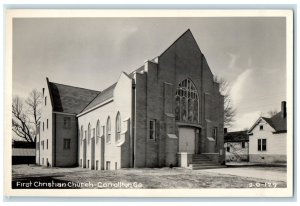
(187, 102)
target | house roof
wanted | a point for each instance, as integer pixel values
(239, 136)
(277, 122)
(101, 97)
(70, 99)
(23, 152)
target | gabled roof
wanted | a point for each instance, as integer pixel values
(101, 97)
(239, 136)
(277, 122)
(70, 99)
(187, 32)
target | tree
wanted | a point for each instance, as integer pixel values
(26, 115)
(229, 109)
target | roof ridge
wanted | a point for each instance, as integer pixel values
(74, 86)
(90, 102)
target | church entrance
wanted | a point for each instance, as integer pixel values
(189, 140)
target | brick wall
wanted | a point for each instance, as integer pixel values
(155, 98)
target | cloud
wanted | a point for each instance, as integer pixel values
(233, 59)
(126, 32)
(245, 120)
(238, 88)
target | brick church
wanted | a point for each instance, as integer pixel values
(168, 112)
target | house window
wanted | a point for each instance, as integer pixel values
(108, 130)
(261, 127)
(228, 149)
(243, 144)
(186, 98)
(98, 129)
(43, 126)
(215, 132)
(47, 144)
(93, 132)
(67, 122)
(37, 145)
(45, 101)
(152, 129)
(107, 165)
(42, 144)
(67, 143)
(118, 127)
(262, 145)
(47, 123)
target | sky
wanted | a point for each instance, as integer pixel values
(249, 52)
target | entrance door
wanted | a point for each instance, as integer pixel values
(187, 140)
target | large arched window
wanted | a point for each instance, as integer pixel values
(108, 130)
(187, 102)
(89, 133)
(118, 127)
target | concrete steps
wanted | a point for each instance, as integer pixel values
(201, 161)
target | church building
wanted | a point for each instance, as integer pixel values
(169, 112)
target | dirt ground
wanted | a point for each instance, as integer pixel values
(37, 177)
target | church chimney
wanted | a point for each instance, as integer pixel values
(283, 109)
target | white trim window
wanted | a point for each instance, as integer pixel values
(98, 129)
(108, 130)
(89, 133)
(81, 134)
(262, 144)
(118, 127)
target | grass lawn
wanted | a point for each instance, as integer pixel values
(137, 178)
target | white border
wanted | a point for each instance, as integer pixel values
(21, 13)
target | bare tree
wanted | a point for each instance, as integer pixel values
(25, 120)
(229, 110)
(34, 102)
